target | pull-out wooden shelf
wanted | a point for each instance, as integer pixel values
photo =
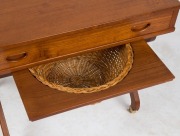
(41, 101)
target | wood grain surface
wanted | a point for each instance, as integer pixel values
(30, 20)
(41, 101)
(92, 39)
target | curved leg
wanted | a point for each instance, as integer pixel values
(135, 102)
(3, 124)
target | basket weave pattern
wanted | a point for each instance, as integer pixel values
(87, 73)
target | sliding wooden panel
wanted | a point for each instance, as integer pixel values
(41, 101)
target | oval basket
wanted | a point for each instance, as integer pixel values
(87, 73)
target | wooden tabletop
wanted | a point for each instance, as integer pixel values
(27, 20)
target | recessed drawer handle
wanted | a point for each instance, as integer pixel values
(140, 29)
(15, 58)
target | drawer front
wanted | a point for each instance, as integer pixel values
(92, 39)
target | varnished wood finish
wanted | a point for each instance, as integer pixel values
(47, 31)
(174, 17)
(54, 53)
(3, 123)
(41, 101)
(33, 32)
(135, 101)
(94, 38)
(23, 21)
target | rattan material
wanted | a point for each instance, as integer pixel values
(87, 73)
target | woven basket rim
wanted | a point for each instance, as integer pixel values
(111, 83)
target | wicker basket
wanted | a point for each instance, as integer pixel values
(87, 73)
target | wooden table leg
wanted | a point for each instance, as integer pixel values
(135, 102)
(3, 122)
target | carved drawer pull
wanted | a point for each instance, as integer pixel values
(15, 58)
(140, 29)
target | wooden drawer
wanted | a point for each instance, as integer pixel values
(81, 41)
(41, 101)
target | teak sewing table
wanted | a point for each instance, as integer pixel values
(34, 32)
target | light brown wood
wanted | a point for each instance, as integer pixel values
(174, 17)
(54, 51)
(30, 20)
(41, 101)
(3, 123)
(86, 41)
(37, 31)
(67, 28)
